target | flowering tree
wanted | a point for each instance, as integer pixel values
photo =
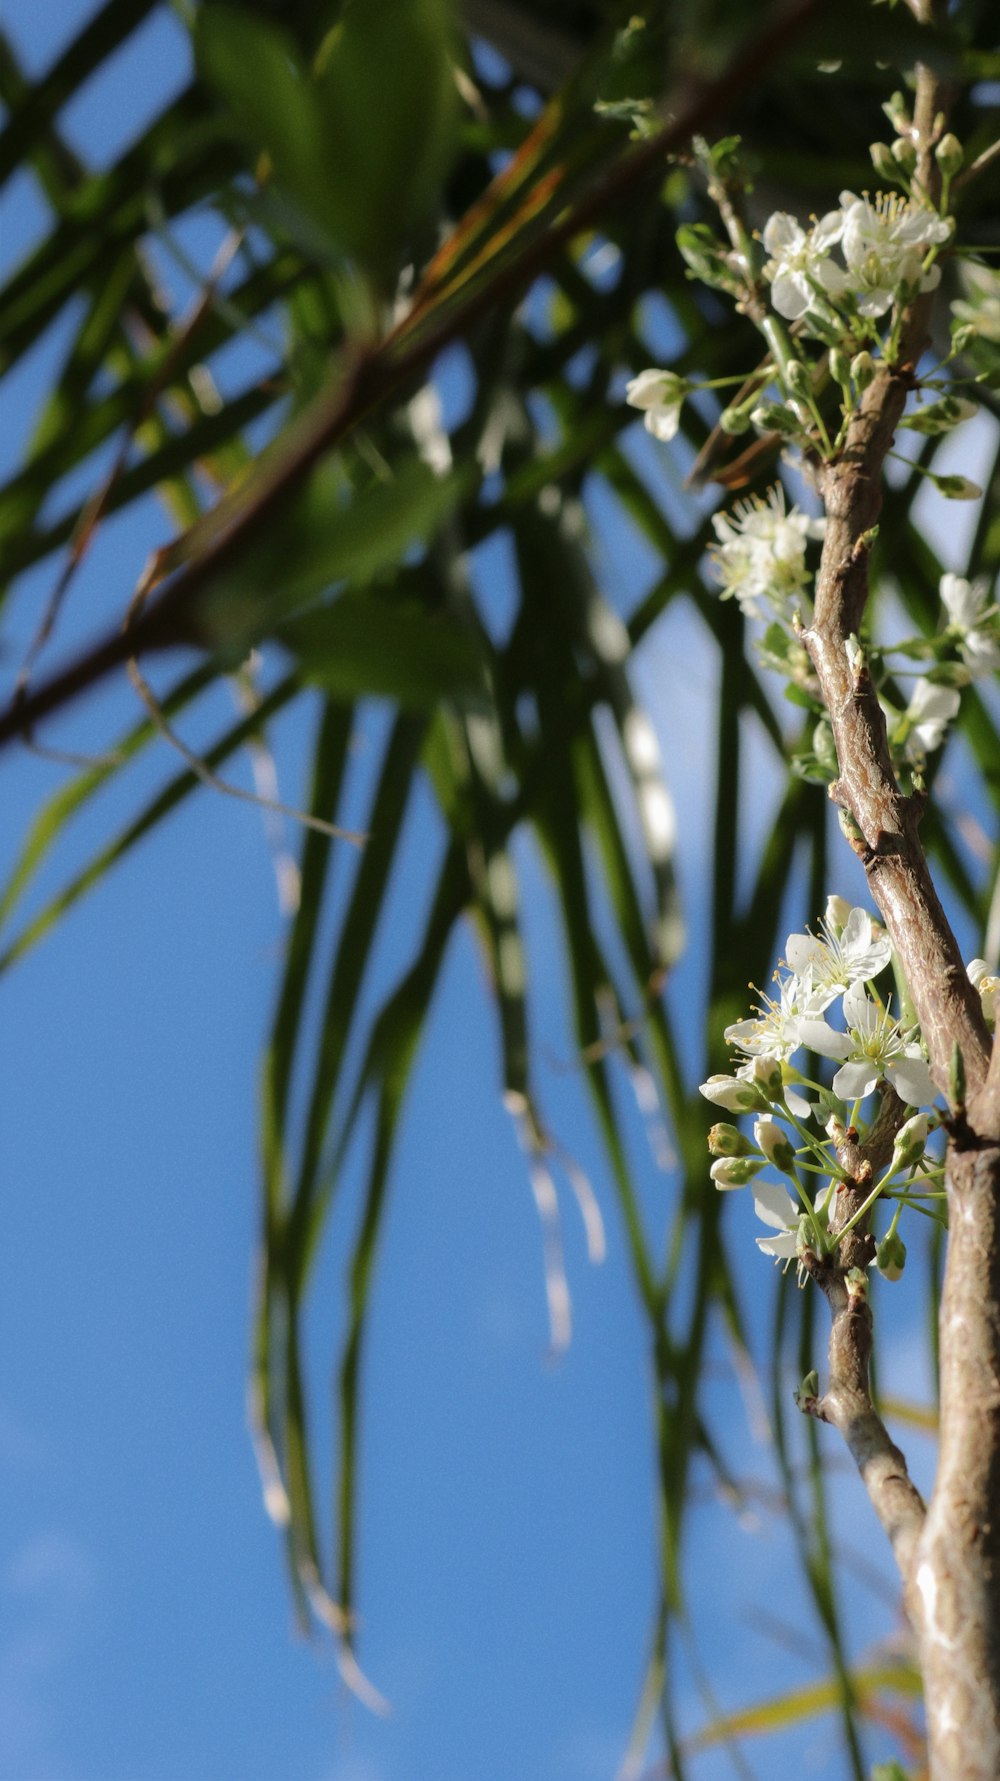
(873, 756)
(340, 565)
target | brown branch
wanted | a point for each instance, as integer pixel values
(384, 370)
(847, 1402)
(847, 1406)
(950, 1563)
(886, 839)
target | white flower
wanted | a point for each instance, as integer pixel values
(973, 623)
(988, 987)
(774, 1031)
(761, 554)
(860, 950)
(927, 717)
(884, 244)
(800, 262)
(661, 394)
(776, 1208)
(874, 1048)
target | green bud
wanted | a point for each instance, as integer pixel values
(957, 488)
(735, 1171)
(808, 1391)
(728, 1140)
(890, 1256)
(940, 417)
(904, 154)
(849, 829)
(882, 160)
(798, 379)
(862, 370)
(840, 366)
(775, 417)
(911, 1141)
(962, 337)
(824, 746)
(896, 111)
(735, 420)
(949, 155)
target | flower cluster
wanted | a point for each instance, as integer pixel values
(887, 242)
(869, 1047)
(760, 558)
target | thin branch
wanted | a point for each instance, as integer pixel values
(203, 771)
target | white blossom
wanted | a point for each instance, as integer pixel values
(973, 623)
(661, 394)
(799, 263)
(930, 711)
(776, 1208)
(988, 986)
(860, 950)
(774, 1030)
(761, 553)
(884, 244)
(874, 1049)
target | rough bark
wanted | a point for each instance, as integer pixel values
(956, 1573)
(950, 1560)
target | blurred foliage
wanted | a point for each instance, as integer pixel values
(385, 180)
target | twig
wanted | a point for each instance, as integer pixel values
(202, 770)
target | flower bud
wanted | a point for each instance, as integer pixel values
(896, 111)
(962, 338)
(774, 417)
(735, 1171)
(949, 155)
(728, 1140)
(910, 1144)
(840, 366)
(798, 378)
(957, 488)
(836, 914)
(862, 369)
(825, 748)
(774, 1142)
(766, 1074)
(904, 154)
(890, 1256)
(731, 1093)
(987, 985)
(735, 420)
(882, 160)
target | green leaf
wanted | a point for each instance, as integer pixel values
(387, 97)
(364, 644)
(324, 537)
(385, 64)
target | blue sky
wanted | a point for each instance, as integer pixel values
(508, 1540)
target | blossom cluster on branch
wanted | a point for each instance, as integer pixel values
(800, 1123)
